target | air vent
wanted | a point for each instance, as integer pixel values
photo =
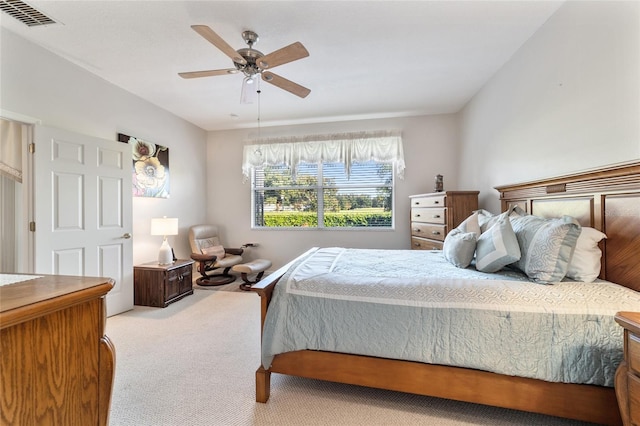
(25, 13)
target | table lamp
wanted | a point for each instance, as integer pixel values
(165, 226)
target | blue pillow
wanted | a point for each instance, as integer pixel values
(547, 246)
(497, 247)
(459, 247)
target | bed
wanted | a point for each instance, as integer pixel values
(605, 199)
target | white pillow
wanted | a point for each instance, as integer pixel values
(497, 247)
(470, 224)
(485, 219)
(459, 247)
(217, 251)
(585, 263)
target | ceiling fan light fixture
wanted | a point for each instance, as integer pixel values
(249, 90)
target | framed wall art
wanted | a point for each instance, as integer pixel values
(150, 167)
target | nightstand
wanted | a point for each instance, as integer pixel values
(628, 373)
(159, 285)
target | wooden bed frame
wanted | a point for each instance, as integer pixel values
(607, 199)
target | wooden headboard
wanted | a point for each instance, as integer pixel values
(607, 199)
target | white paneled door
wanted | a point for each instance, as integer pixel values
(82, 203)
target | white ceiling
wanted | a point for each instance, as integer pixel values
(368, 59)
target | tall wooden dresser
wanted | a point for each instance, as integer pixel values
(433, 215)
(56, 364)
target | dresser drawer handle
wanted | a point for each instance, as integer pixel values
(436, 202)
(416, 230)
(417, 215)
(417, 244)
(436, 216)
(435, 232)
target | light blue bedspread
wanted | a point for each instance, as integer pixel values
(414, 305)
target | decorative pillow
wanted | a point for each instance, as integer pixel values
(485, 219)
(516, 211)
(497, 247)
(470, 224)
(459, 247)
(585, 263)
(217, 251)
(546, 245)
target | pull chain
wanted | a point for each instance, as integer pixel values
(258, 91)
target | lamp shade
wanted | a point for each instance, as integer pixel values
(164, 226)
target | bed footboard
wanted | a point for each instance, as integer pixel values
(589, 403)
(265, 288)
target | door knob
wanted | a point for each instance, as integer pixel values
(126, 236)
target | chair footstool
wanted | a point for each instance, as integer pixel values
(257, 266)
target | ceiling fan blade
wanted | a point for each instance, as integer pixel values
(285, 84)
(209, 73)
(218, 42)
(290, 53)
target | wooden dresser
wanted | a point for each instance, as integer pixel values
(628, 373)
(160, 285)
(56, 364)
(434, 215)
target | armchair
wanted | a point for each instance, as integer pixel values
(214, 261)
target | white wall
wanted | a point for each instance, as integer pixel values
(567, 101)
(430, 147)
(39, 84)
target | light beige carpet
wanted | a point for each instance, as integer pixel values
(193, 363)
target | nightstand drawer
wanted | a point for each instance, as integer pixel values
(633, 349)
(431, 215)
(424, 244)
(426, 230)
(438, 201)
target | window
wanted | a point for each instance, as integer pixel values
(326, 181)
(323, 195)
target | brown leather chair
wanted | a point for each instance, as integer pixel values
(213, 259)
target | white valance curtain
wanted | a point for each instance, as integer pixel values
(345, 148)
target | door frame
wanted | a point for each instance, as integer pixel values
(26, 247)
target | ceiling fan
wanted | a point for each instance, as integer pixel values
(252, 62)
